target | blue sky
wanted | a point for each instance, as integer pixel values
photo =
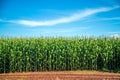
(33, 18)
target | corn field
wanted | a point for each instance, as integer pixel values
(59, 54)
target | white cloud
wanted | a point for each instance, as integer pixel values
(104, 19)
(1, 20)
(114, 18)
(116, 32)
(115, 35)
(73, 17)
(66, 30)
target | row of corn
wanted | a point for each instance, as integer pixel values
(58, 54)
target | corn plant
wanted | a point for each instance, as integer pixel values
(58, 54)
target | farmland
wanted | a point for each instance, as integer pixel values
(59, 54)
(61, 75)
(49, 58)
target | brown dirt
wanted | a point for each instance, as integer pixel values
(61, 75)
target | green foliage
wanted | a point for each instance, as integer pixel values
(100, 62)
(50, 54)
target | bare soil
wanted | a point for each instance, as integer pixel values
(61, 75)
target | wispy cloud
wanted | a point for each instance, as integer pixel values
(113, 18)
(104, 19)
(1, 20)
(115, 35)
(66, 30)
(71, 18)
(116, 32)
